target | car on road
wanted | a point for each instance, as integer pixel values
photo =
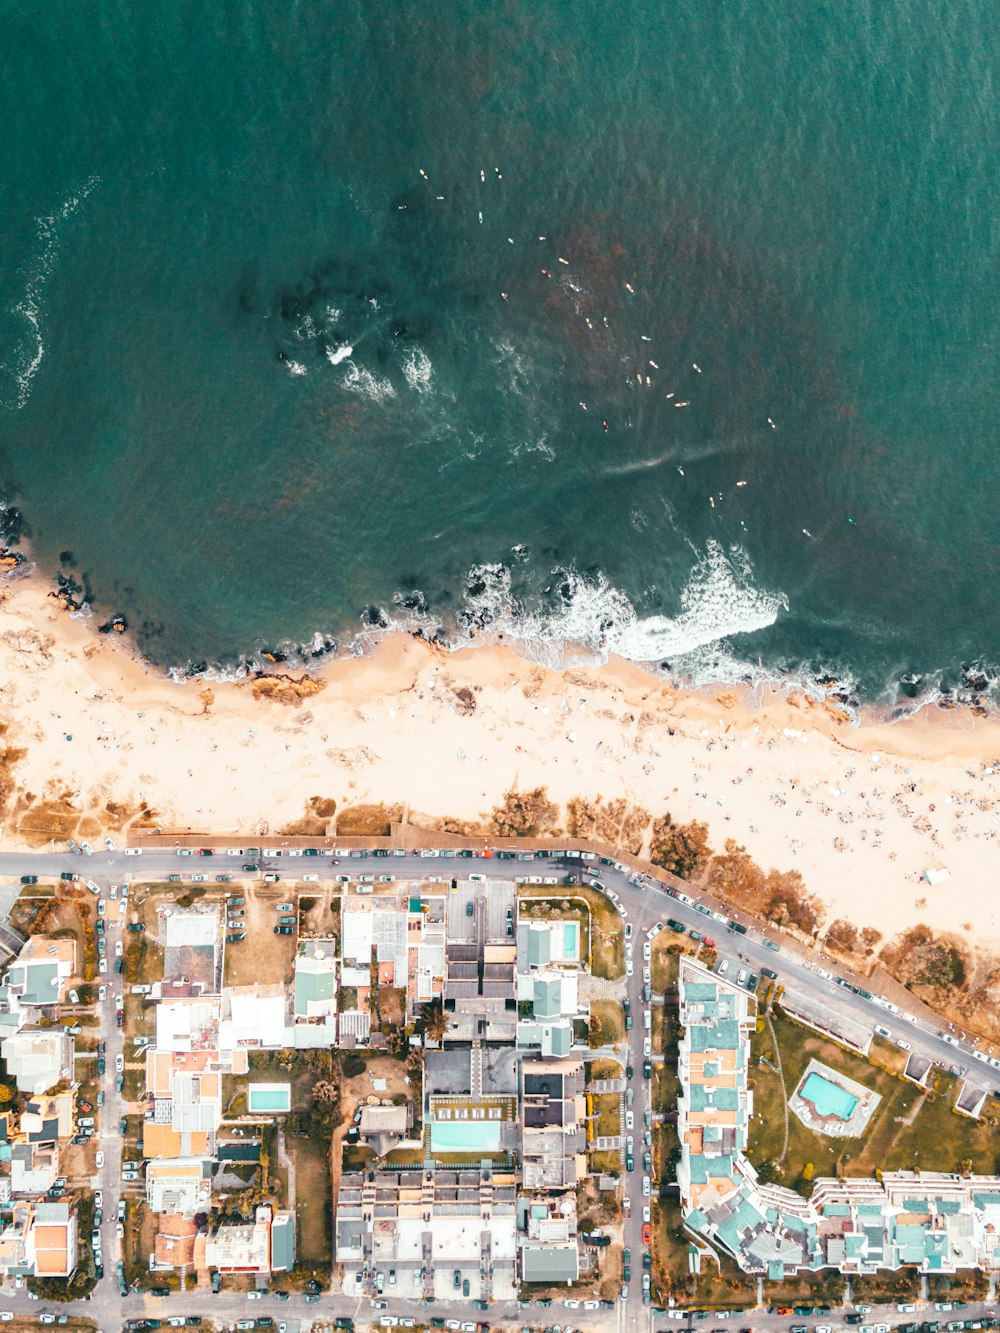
(284, 930)
(98, 1159)
(119, 1085)
(101, 1064)
(647, 1069)
(29, 879)
(119, 1063)
(647, 1233)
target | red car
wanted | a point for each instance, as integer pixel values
(647, 1233)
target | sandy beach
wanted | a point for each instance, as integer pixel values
(859, 812)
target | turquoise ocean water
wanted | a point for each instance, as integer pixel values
(288, 346)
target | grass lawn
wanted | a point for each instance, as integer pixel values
(607, 1109)
(611, 1017)
(825, 1288)
(596, 1069)
(665, 962)
(312, 1200)
(937, 1139)
(608, 1162)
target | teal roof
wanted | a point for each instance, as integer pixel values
(696, 991)
(562, 1041)
(539, 947)
(721, 1036)
(282, 1243)
(726, 1099)
(310, 987)
(548, 999)
(40, 982)
(776, 1271)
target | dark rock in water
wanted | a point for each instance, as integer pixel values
(414, 601)
(66, 558)
(327, 646)
(375, 618)
(195, 669)
(116, 625)
(9, 559)
(977, 677)
(273, 655)
(910, 685)
(11, 525)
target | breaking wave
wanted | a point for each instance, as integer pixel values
(418, 370)
(29, 356)
(361, 381)
(719, 600)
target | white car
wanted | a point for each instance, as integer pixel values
(647, 975)
(119, 1063)
(120, 1230)
(119, 1003)
(310, 879)
(102, 992)
(118, 948)
(630, 1120)
(133, 851)
(647, 1213)
(647, 1047)
(98, 1159)
(572, 1305)
(592, 1305)
(114, 891)
(86, 848)
(98, 1198)
(102, 964)
(723, 967)
(629, 969)
(645, 1187)
(6, 1316)
(74, 997)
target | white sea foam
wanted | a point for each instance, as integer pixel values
(595, 619)
(296, 368)
(335, 357)
(418, 370)
(29, 356)
(361, 381)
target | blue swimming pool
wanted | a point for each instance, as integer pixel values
(828, 1099)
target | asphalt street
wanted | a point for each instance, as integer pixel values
(644, 901)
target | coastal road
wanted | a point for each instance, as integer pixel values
(646, 900)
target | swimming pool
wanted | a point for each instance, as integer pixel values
(465, 1136)
(828, 1099)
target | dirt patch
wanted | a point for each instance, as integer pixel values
(358, 820)
(287, 689)
(263, 957)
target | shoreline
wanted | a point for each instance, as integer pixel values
(446, 733)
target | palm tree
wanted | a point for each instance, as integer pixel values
(432, 1022)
